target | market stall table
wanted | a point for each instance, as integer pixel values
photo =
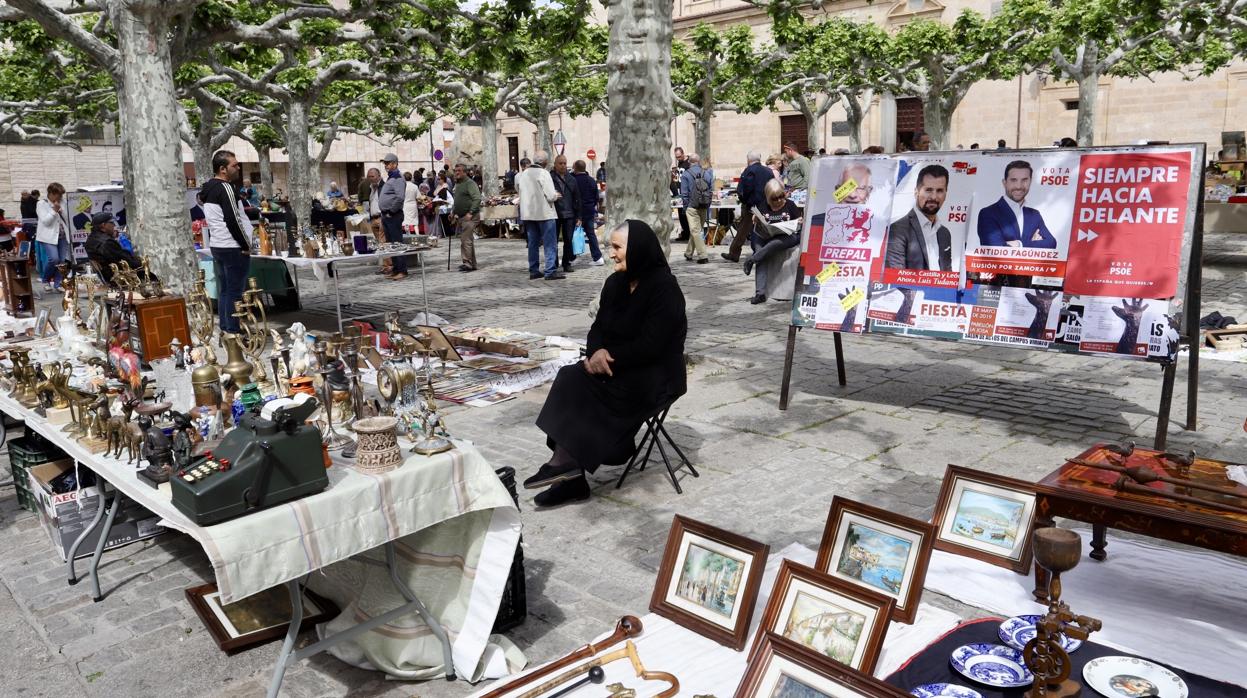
(931, 665)
(1198, 517)
(358, 513)
(324, 268)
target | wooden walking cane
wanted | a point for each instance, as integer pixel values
(627, 627)
(628, 652)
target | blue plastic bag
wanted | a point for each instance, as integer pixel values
(578, 240)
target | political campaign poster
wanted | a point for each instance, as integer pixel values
(85, 204)
(1064, 249)
(847, 211)
(1020, 217)
(1130, 214)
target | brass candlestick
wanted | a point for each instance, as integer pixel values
(1056, 550)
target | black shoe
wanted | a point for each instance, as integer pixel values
(552, 475)
(555, 277)
(748, 266)
(757, 298)
(575, 490)
(568, 270)
(703, 260)
(535, 276)
(466, 268)
(730, 258)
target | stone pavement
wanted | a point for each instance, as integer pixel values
(910, 407)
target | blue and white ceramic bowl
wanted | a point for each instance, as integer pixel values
(1019, 630)
(993, 665)
(944, 690)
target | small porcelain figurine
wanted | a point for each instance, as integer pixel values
(300, 352)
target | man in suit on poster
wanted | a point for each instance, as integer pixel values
(919, 241)
(1009, 222)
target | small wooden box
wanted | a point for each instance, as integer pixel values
(154, 324)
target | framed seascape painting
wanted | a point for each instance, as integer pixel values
(878, 550)
(987, 517)
(709, 581)
(780, 668)
(841, 621)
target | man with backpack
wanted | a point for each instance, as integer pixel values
(696, 192)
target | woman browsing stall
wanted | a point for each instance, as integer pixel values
(635, 365)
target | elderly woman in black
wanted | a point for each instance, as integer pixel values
(635, 365)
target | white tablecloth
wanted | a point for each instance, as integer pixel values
(1183, 607)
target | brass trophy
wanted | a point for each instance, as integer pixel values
(433, 431)
(1056, 550)
(125, 278)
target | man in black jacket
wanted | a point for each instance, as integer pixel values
(567, 207)
(104, 250)
(750, 194)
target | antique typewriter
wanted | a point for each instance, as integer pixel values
(262, 463)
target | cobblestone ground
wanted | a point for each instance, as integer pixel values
(909, 408)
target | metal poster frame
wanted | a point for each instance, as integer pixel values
(1185, 302)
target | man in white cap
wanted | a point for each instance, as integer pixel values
(392, 211)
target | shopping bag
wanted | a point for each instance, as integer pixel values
(578, 240)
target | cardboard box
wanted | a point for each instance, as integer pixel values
(64, 516)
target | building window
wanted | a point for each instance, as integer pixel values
(1070, 104)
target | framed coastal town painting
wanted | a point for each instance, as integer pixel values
(709, 581)
(780, 668)
(841, 621)
(878, 550)
(987, 517)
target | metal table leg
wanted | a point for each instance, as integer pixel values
(337, 292)
(95, 522)
(289, 655)
(424, 288)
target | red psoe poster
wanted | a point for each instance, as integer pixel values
(1129, 215)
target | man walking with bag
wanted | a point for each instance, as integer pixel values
(696, 191)
(537, 197)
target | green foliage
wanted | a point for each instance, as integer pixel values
(35, 67)
(721, 69)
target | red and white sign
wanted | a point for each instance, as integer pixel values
(1129, 215)
(592, 154)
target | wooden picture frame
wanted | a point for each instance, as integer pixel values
(999, 534)
(256, 619)
(778, 660)
(802, 594)
(889, 540)
(438, 341)
(23, 249)
(717, 603)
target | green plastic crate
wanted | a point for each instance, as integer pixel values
(23, 455)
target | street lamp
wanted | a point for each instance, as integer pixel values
(560, 141)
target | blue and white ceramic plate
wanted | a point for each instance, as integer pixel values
(944, 690)
(994, 665)
(1131, 677)
(1019, 630)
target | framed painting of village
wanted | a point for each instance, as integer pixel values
(780, 668)
(987, 517)
(841, 621)
(878, 550)
(709, 581)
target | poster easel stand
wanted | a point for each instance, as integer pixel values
(1192, 338)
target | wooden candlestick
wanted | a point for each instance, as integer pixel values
(1056, 550)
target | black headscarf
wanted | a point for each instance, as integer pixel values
(645, 255)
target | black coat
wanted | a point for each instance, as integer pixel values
(595, 417)
(751, 189)
(105, 251)
(569, 205)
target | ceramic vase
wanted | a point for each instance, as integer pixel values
(377, 444)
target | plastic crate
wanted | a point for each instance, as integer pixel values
(24, 453)
(513, 608)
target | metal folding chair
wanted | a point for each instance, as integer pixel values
(654, 429)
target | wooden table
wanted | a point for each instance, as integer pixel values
(1089, 494)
